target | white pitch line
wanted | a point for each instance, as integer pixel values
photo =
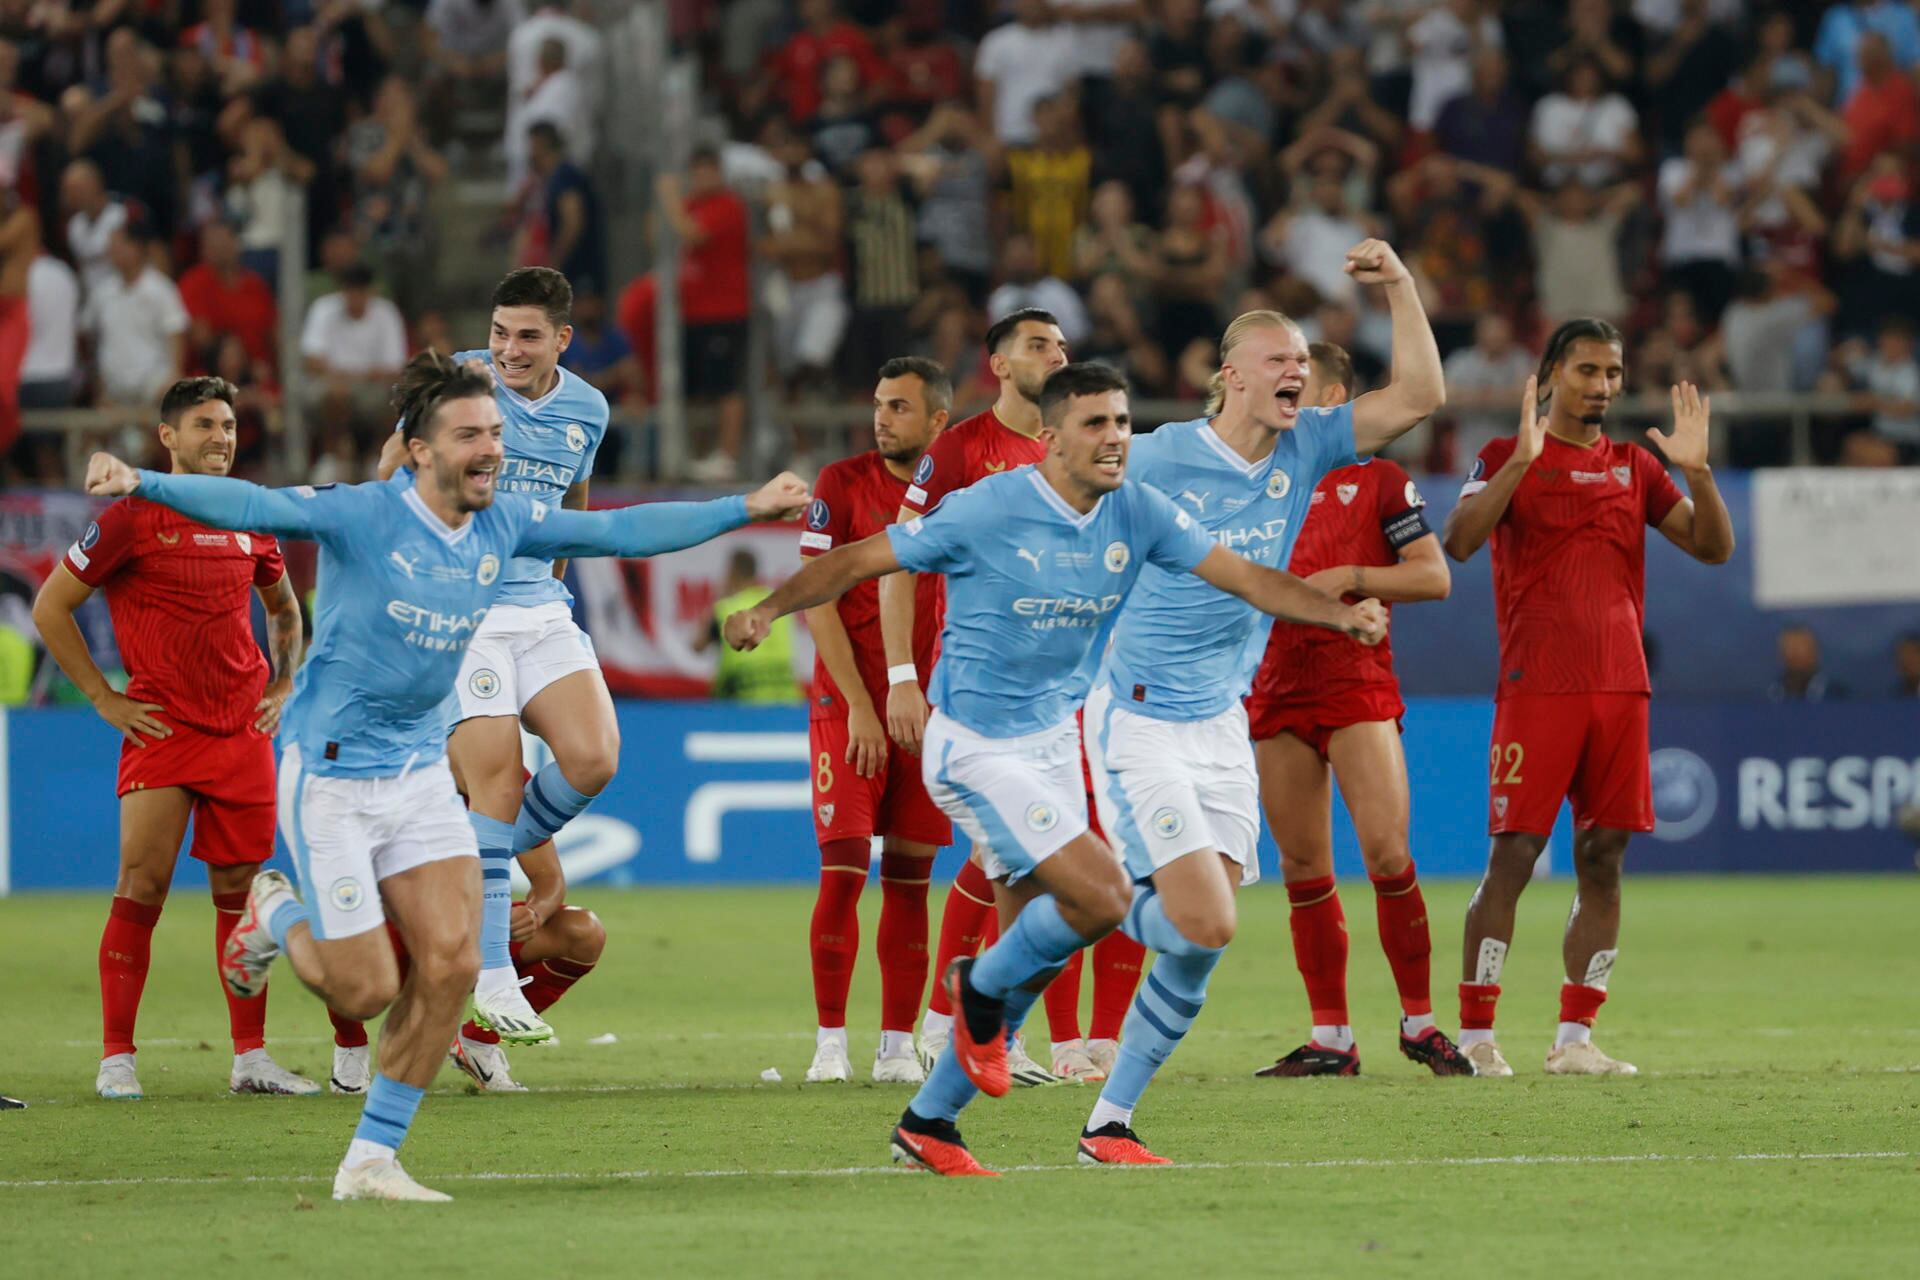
(862, 1171)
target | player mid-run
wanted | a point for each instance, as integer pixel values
(529, 661)
(1319, 708)
(198, 717)
(368, 806)
(1038, 563)
(863, 783)
(1566, 510)
(1167, 736)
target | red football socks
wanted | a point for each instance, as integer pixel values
(1062, 997)
(1477, 1001)
(126, 945)
(1320, 947)
(902, 940)
(834, 936)
(246, 1019)
(963, 923)
(348, 1033)
(1117, 960)
(1580, 1003)
(1402, 913)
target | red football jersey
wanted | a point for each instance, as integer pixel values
(1569, 565)
(1358, 515)
(856, 498)
(178, 594)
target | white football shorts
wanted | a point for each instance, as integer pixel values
(518, 651)
(1021, 800)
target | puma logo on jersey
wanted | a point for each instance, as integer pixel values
(1032, 557)
(405, 563)
(991, 467)
(168, 538)
(1199, 500)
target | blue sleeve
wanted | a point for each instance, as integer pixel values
(318, 514)
(1170, 537)
(647, 529)
(1828, 41)
(1144, 460)
(1333, 440)
(938, 541)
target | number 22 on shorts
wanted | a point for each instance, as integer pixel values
(1507, 757)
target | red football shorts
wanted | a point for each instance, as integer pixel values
(232, 782)
(893, 802)
(1590, 748)
(1315, 721)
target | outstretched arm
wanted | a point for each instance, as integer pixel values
(1287, 597)
(821, 579)
(220, 501)
(653, 528)
(1699, 525)
(1419, 385)
(1474, 518)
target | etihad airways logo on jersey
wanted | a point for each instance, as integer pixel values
(1046, 613)
(519, 474)
(432, 629)
(1253, 535)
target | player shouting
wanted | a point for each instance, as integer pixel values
(198, 717)
(1317, 704)
(1565, 508)
(1166, 733)
(1023, 347)
(367, 803)
(862, 784)
(529, 661)
(1038, 563)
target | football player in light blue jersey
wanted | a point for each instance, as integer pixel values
(366, 801)
(530, 661)
(1038, 561)
(1173, 771)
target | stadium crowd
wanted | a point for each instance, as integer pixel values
(1731, 180)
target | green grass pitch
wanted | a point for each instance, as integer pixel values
(1775, 1126)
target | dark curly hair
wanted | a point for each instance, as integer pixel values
(188, 392)
(429, 381)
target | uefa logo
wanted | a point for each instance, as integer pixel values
(817, 514)
(923, 470)
(1685, 795)
(347, 894)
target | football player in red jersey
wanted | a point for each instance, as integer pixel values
(863, 785)
(198, 717)
(1023, 348)
(1316, 704)
(1566, 509)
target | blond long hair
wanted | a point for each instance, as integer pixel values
(1237, 331)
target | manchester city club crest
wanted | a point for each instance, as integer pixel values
(1117, 556)
(1278, 484)
(347, 893)
(484, 683)
(576, 437)
(489, 569)
(1168, 824)
(1042, 817)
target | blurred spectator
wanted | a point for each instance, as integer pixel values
(1576, 246)
(1018, 64)
(808, 297)
(353, 343)
(843, 127)
(1687, 68)
(557, 96)
(1801, 679)
(125, 130)
(1100, 28)
(92, 218)
(1682, 349)
(883, 260)
(1864, 449)
(19, 246)
(1878, 238)
(1889, 373)
(1484, 385)
(1906, 665)
(1177, 49)
(586, 58)
(1775, 331)
(1444, 42)
(394, 170)
(254, 402)
(1838, 45)
(601, 354)
(1025, 285)
(794, 70)
(1488, 123)
(464, 44)
(138, 323)
(1599, 35)
(1782, 149)
(1454, 214)
(950, 171)
(920, 73)
(1883, 111)
(263, 180)
(1348, 105)
(1189, 274)
(1050, 182)
(50, 373)
(1312, 239)
(1121, 119)
(760, 675)
(1700, 249)
(1119, 338)
(575, 230)
(237, 54)
(1585, 132)
(1339, 324)
(1113, 243)
(314, 117)
(222, 297)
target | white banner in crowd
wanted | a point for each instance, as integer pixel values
(1832, 537)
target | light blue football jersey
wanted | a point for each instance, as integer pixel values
(1032, 590)
(401, 595)
(550, 444)
(1183, 650)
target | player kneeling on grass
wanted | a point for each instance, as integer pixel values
(1039, 561)
(1317, 705)
(198, 718)
(553, 946)
(368, 804)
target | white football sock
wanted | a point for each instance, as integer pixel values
(1417, 1025)
(1573, 1033)
(1105, 1113)
(824, 1034)
(937, 1023)
(492, 980)
(896, 1044)
(359, 1151)
(1470, 1036)
(1340, 1037)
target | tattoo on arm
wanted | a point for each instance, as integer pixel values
(283, 628)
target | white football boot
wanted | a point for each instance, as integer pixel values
(933, 1043)
(381, 1180)
(1071, 1061)
(1023, 1070)
(116, 1081)
(485, 1065)
(830, 1063)
(504, 1011)
(352, 1069)
(255, 1072)
(898, 1068)
(1104, 1053)
(1487, 1059)
(1585, 1059)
